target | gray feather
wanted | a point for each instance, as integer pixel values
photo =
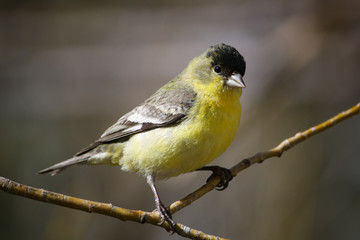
(55, 169)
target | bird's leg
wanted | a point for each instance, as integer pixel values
(163, 211)
(224, 174)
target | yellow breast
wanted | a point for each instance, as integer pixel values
(204, 135)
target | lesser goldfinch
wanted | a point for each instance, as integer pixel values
(186, 124)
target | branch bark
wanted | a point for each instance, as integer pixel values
(108, 209)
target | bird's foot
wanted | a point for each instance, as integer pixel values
(165, 217)
(224, 174)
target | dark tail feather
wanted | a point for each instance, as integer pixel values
(55, 169)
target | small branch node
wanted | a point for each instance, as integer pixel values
(111, 208)
(143, 218)
(246, 162)
(43, 193)
(91, 208)
(288, 146)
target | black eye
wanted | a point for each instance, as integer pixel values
(217, 69)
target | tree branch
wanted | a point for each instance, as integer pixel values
(108, 209)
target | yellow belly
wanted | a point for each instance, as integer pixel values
(170, 151)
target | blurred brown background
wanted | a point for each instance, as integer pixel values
(70, 69)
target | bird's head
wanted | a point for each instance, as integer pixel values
(220, 64)
(228, 63)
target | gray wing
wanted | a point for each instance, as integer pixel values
(165, 107)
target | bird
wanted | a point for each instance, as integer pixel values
(181, 128)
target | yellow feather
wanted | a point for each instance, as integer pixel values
(209, 129)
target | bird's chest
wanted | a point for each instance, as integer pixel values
(216, 125)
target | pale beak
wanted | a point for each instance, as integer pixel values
(235, 80)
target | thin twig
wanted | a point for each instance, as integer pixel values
(108, 209)
(262, 156)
